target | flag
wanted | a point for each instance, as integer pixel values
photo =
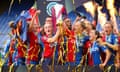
(23, 17)
(26, 16)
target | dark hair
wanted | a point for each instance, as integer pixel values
(11, 25)
(97, 33)
(48, 16)
(84, 17)
(77, 13)
(93, 27)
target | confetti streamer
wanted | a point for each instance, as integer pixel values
(19, 1)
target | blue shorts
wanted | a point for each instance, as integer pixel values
(34, 62)
(20, 61)
(47, 61)
(70, 63)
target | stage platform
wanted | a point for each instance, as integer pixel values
(58, 68)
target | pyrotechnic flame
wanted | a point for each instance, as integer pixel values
(101, 16)
(112, 11)
(90, 7)
(111, 7)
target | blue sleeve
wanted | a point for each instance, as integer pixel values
(115, 39)
(86, 38)
(27, 15)
(42, 44)
(103, 48)
(24, 28)
(7, 47)
(40, 41)
(24, 14)
(16, 21)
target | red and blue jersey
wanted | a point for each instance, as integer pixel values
(94, 51)
(112, 39)
(70, 46)
(48, 47)
(33, 49)
(80, 42)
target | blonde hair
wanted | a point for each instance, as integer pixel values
(110, 23)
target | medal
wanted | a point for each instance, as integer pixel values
(52, 44)
(77, 49)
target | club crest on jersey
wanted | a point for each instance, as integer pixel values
(95, 49)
